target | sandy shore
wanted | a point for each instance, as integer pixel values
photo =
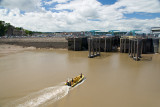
(6, 49)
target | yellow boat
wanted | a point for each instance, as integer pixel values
(75, 81)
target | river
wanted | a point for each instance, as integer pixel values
(36, 78)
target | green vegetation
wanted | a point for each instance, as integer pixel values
(28, 32)
(19, 28)
(4, 27)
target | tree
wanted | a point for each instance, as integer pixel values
(2, 29)
(28, 32)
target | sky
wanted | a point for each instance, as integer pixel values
(81, 15)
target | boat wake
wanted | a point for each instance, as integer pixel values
(43, 97)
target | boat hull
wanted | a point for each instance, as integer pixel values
(76, 80)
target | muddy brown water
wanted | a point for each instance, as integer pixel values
(36, 78)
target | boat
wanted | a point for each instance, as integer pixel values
(75, 81)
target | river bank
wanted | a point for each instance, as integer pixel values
(47, 42)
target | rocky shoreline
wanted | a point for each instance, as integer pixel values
(47, 42)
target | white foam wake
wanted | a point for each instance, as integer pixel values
(42, 97)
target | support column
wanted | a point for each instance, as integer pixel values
(93, 47)
(105, 49)
(129, 48)
(96, 46)
(89, 47)
(99, 46)
(134, 48)
(74, 44)
(125, 46)
(121, 45)
(137, 50)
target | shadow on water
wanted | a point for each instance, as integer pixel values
(103, 55)
(146, 58)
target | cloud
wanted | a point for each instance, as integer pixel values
(24, 5)
(150, 6)
(83, 15)
(58, 1)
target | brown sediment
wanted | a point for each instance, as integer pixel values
(6, 49)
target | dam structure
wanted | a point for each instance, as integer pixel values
(94, 43)
(134, 46)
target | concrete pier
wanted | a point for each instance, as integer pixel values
(149, 45)
(124, 45)
(135, 48)
(94, 47)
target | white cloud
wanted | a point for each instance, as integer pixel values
(151, 6)
(58, 1)
(24, 5)
(82, 16)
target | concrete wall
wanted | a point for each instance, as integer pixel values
(156, 45)
(77, 44)
(159, 45)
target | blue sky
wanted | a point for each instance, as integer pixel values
(81, 15)
(142, 15)
(107, 2)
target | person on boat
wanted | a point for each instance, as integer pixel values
(81, 75)
(68, 83)
(72, 79)
(71, 82)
